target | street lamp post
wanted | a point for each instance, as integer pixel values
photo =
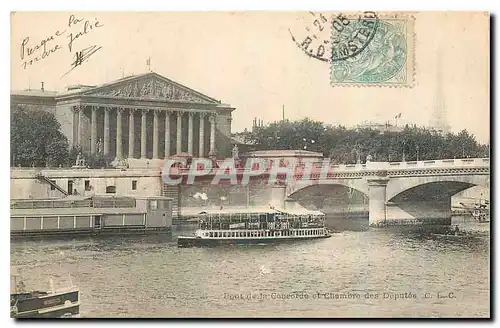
(417, 153)
(404, 157)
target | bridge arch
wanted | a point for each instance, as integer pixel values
(358, 185)
(448, 185)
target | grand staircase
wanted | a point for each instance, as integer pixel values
(43, 178)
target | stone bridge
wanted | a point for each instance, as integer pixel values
(396, 192)
(402, 190)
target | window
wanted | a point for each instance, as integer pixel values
(153, 205)
(87, 185)
(52, 184)
(70, 187)
(134, 184)
(97, 221)
(110, 190)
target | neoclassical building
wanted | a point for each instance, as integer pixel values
(141, 118)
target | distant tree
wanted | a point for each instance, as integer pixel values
(343, 145)
(57, 152)
(36, 138)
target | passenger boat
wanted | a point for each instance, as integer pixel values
(256, 227)
(44, 304)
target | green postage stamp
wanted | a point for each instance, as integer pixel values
(368, 49)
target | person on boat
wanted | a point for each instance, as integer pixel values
(21, 287)
(457, 230)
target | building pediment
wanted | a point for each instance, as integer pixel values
(150, 86)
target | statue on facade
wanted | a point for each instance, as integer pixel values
(369, 158)
(235, 152)
(358, 157)
(99, 146)
(80, 161)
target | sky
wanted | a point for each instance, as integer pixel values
(249, 60)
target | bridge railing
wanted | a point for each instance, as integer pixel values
(299, 169)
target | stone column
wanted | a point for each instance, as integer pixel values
(190, 133)
(106, 130)
(201, 150)
(143, 133)
(131, 133)
(80, 124)
(93, 130)
(212, 134)
(155, 134)
(167, 134)
(119, 132)
(377, 195)
(179, 132)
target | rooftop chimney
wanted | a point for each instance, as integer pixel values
(42, 87)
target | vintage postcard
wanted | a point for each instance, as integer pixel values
(250, 164)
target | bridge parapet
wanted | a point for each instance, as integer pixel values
(325, 169)
(442, 163)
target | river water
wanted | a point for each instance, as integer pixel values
(352, 274)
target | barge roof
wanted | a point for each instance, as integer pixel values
(249, 210)
(78, 211)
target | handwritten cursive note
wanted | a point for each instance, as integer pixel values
(83, 28)
(73, 33)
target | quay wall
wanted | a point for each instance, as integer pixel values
(333, 200)
(24, 183)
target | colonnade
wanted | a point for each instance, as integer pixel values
(158, 114)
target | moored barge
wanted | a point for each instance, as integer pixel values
(96, 215)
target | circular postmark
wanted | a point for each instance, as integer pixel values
(335, 37)
(314, 40)
(351, 36)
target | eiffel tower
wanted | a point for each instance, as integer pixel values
(439, 120)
